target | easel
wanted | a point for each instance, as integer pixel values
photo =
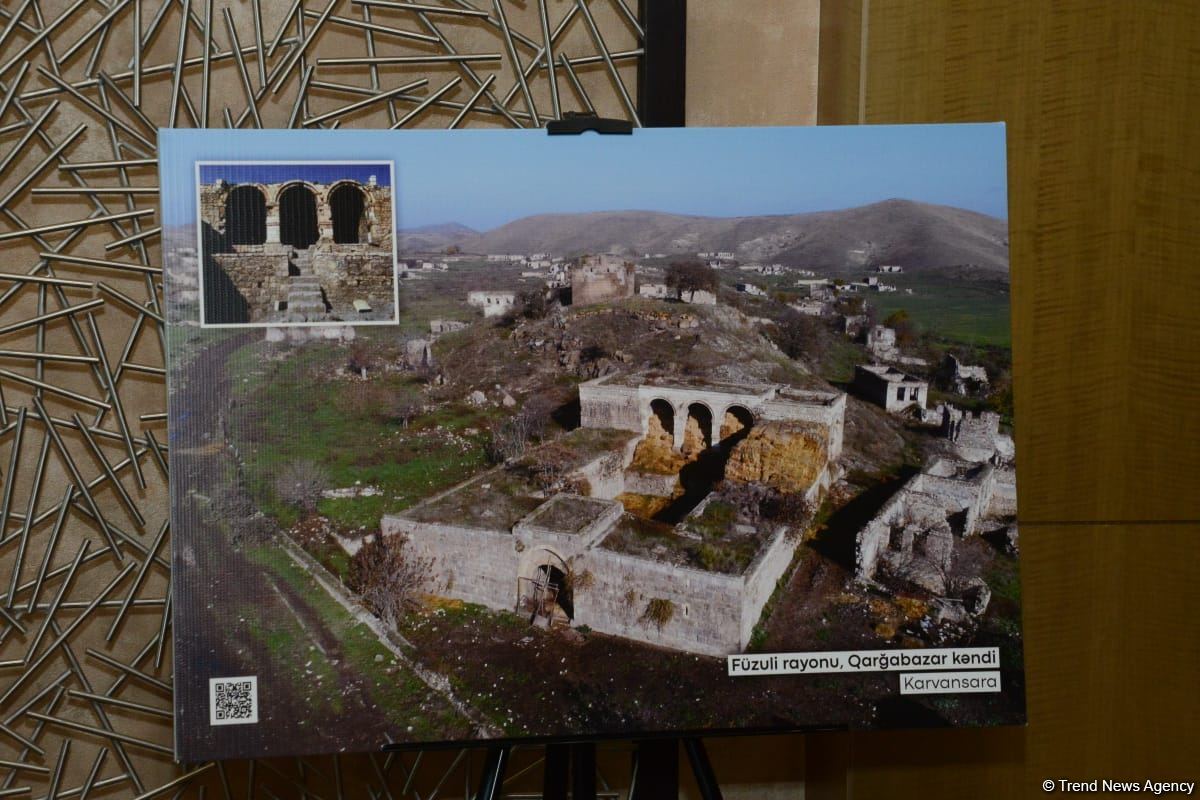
(570, 771)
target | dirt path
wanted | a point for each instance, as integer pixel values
(231, 614)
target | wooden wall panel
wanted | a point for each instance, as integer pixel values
(1103, 113)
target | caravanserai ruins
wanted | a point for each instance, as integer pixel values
(297, 252)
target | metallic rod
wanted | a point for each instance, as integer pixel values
(10, 477)
(137, 52)
(66, 87)
(120, 737)
(134, 238)
(132, 672)
(41, 165)
(80, 483)
(575, 82)
(298, 105)
(602, 49)
(515, 62)
(32, 128)
(121, 77)
(30, 507)
(236, 46)
(424, 9)
(101, 25)
(259, 48)
(31, 321)
(631, 18)
(106, 468)
(77, 223)
(118, 409)
(384, 60)
(20, 278)
(467, 106)
(467, 68)
(19, 56)
(63, 507)
(137, 581)
(129, 301)
(206, 63)
(376, 27)
(177, 80)
(549, 58)
(291, 12)
(291, 60)
(55, 191)
(133, 162)
(337, 112)
(427, 102)
(43, 356)
(451, 104)
(49, 387)
(99, 262)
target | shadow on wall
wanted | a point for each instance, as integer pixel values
(223, 303)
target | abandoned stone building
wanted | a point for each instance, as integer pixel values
(297, 252)
(913, 536)
(493, 304)
(960, 378)
(596, 279)
(889, 387)
(566, 558)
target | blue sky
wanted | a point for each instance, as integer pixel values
(487, 178)
(278, 173)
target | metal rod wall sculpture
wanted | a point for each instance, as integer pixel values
(85, 611)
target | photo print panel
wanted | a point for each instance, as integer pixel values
(494, 435)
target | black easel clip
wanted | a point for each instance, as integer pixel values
(576, 122)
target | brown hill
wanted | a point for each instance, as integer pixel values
(914, 235)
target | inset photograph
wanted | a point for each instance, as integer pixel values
(296, 243)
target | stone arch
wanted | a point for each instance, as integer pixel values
(698, 429)
(736, 422)
(548, 577)
(246, 215)
(348, 212)
(298, 225)
(660, 420)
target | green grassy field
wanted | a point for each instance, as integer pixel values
(360, 657)
(971, 312)
(300, 409)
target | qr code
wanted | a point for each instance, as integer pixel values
(233, 701)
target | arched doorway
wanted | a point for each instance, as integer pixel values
(661, 424)
(346, 208)
(735, 425)
(245, 216)
(544, 589)
(697, 433)
(298, 217)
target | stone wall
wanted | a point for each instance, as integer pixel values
(597, 279)
(706, 607)
(258, 277)
(353, 272)
(471, 564)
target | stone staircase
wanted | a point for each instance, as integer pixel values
(305, 302)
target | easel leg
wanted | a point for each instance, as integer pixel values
(706, 780)
(655, 770)
(555, 772)
(493, 774)
(583, 771)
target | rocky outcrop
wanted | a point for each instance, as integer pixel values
(788, 456)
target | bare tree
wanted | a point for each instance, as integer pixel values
(389, 579)
(301, 484)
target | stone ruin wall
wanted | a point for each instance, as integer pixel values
(592, 283)
(350, 276)
(347, 272)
